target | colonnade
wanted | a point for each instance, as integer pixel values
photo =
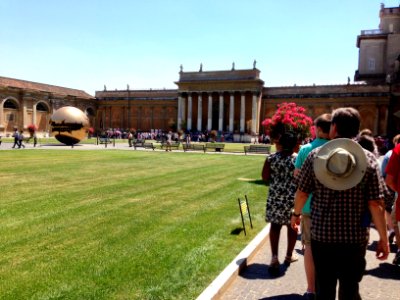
(185, 111)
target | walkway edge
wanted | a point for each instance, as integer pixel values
(219, 285)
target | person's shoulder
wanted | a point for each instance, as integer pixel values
(275, 154)
(314, 151)
(372, 160)
(305, 148)
(396, 150)
(388, 154)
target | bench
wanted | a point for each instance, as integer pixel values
(138, 143)
(105, 141)
(174, 145)
(144, 145)
(266, 149)
(218, 147)
(195, 147)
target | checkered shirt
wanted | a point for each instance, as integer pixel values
(336, 216)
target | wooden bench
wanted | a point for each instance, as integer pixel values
(195, 147)
(137, 143)
(105, 141)
(144, 145)
(266, 149)
(174, 145)
(218, 147)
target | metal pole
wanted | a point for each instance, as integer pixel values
(129, 109)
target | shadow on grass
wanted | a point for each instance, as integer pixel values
(258, 181)
(237, 231)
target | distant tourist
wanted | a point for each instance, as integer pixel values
(21, 140)
(16, 138)
(169, 141)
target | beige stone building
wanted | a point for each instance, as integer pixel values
(232, 101)
(23, 103)
(379, 61)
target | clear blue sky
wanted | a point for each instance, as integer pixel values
(85, 44)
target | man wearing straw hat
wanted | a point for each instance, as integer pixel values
(347, 190)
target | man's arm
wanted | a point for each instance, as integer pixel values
(377, 209)
(300, 199)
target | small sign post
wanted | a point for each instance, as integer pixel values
(244, 208)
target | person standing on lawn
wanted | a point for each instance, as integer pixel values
(322, 126)
(346, 185)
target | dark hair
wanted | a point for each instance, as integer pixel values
(288, 141)
(368, 143)
(347, 121)
(324, 122)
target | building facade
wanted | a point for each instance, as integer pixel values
(23, 103)
(231, 101)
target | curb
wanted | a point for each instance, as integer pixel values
(225, 278)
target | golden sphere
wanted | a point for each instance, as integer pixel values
(69, 125)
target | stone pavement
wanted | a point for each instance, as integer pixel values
(381, 281)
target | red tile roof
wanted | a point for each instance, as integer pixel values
(41, 87)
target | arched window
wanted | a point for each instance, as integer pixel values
(10, 104)
(41, 107)
(90, 112)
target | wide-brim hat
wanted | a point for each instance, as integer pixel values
(340, 164)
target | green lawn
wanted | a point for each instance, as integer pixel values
(121, 224)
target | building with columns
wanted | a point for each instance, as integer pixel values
(231, 101)
(227, 101)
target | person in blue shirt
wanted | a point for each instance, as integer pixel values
(322, 126)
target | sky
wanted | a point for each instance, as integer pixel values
(86, 44)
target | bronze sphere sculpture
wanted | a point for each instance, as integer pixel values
(69, 125)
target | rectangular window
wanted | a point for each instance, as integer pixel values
(371, 64)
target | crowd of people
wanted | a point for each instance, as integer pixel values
(20, 138)
(160, 135)
(333, 190)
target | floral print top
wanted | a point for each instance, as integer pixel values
(280, 200)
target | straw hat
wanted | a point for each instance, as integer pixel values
(340, 164)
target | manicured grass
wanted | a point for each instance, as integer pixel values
(121, 224)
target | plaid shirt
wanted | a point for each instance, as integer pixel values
(337, 216)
